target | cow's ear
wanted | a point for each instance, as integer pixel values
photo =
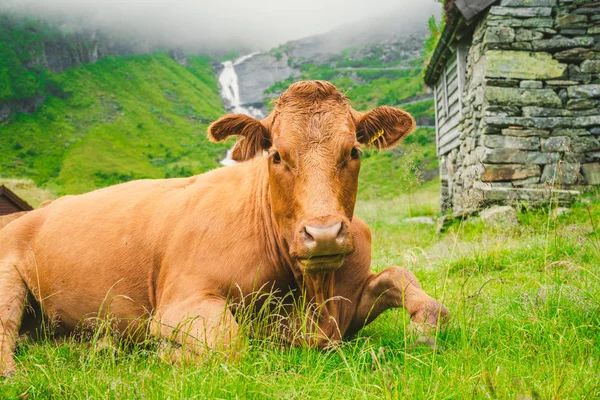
(383, 127)
(253, 136)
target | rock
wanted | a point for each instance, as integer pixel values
(509, 172)
(523, 65)
(592, 156)
(591, 9)
(441, 223)
(568, 20)
(573, 31)
(560, 143)
(521, 46)
(591, 66)
(531, 85)
(584, 144)
(179, 56)
(575, 74)
(560, 211)
(562, 43)
(537, 23)
(570, 157)
(259, 72)
(592, 173)
(544, 123)
(522, 97)
(528, 35)
(577, 54)
(561, 174)
(594, 30)
(420, 221)
(503, 82)
(525, 132)
(499, 215)
(499, 34)
(528, 12)
(556, 112)
(511, 142)
(502, 110)
(528, 3)
(509, 156)
(570, 132)
(580, 104)
(530, 195)
(584, 91)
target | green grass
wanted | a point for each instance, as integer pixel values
(126, 118)
(525, 304)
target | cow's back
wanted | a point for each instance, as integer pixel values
(104, 250)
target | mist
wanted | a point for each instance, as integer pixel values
(196, 25)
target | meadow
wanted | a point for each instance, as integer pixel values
(525, 304)
(524, 299)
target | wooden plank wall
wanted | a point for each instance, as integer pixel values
(7, 206)
(448, 103)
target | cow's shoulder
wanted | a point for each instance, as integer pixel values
(361, 229)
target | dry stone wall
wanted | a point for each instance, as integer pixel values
(531, 110)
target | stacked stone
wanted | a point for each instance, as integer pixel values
(531, 112)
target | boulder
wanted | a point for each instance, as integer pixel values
(499, 215)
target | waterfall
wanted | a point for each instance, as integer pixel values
(230, 93)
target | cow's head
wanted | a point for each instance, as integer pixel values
(313, 138)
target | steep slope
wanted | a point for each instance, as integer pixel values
(123, 118)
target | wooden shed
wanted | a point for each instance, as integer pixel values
(11, 203)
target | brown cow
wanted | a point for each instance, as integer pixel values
(180, 253)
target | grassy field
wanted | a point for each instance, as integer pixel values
(525, 304)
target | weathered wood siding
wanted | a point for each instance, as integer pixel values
(448, 103)
(7, 206)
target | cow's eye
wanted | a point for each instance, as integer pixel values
(355, 153)
(276, 158)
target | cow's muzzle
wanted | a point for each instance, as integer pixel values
(321, 244)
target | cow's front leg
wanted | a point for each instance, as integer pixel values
(198, 324)
(397, 287)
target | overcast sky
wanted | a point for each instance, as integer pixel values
(257, 24)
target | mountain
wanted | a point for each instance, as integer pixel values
(82, 109)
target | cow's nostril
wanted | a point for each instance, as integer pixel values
(341, 235)
(308, 238)
(324, 240)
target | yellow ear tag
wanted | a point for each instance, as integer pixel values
(377, 136)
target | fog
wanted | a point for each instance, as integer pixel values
(229, 24)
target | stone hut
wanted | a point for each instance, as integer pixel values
(517, 90)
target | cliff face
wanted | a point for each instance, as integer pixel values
(258, 73)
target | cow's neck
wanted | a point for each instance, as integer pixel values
(319, 287)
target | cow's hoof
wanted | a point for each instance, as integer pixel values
(8, 368)
(427, 318)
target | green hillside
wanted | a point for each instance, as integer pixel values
(145, 116)
(126, 118)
